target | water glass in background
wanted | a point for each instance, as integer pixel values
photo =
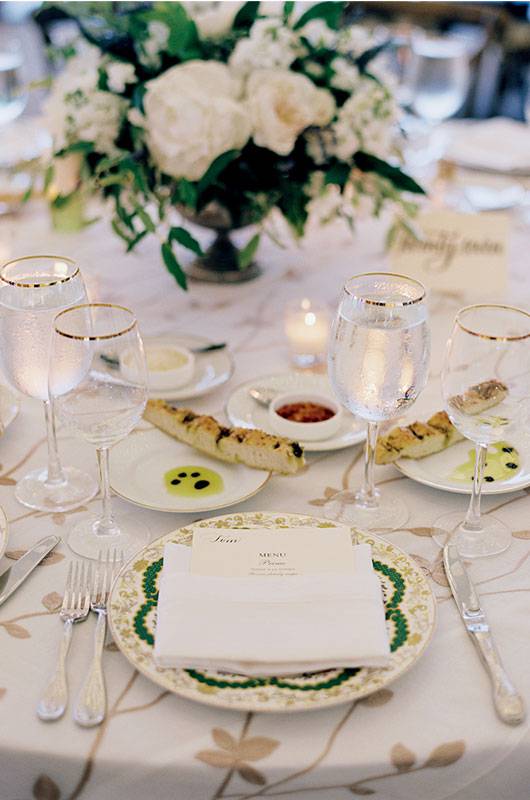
(101, 406)
(32, 291)
(378, 365)
(13, 96)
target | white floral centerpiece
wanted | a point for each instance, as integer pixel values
(226, 111)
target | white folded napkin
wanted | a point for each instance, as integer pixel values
(267, 625)
(499, 144)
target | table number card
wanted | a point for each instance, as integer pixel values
(456, 253)
(297, 551)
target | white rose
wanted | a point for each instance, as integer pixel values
(282, 104)
(119, 75)
(211, 76)
(213, 19)
(188, 126)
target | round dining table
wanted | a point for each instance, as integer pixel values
(433, 733)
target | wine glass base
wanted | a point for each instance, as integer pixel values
(493, 538)
(132, 536)
(34, 492)
(390, 514)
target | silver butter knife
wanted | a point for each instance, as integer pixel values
(509, 704)
(12, 577)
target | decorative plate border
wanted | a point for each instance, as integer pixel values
(410, 612)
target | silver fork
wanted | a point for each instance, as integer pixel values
(75, 608)
(91, 705)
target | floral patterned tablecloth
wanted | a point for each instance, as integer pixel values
(432, 734)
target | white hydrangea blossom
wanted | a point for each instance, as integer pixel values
(76, 110)
(355, 40)
(269, 45)
(318, 34)
(119, 75)
(365, 121)
(155, 44)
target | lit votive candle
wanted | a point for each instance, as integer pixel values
(307, 329)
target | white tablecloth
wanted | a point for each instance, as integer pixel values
(432, 734)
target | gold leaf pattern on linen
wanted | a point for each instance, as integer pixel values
(52, 601)
(7, 482)
(421, 531)
(14, 555)
(17, 631)
(2, 692)
(402, 758)
(446, 754)
(45, 788)
(438, 572)
(217, 758)
(521, 534)
(361, 791)
(251, 775)
(47, 561)
(223, 739)
(256, 747)
(379, 698)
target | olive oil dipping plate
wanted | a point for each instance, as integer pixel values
(152, 470)
(507, 470)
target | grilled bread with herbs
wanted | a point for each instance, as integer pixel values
(236, 445)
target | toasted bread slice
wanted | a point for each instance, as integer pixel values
(235, 445)
(480, 397)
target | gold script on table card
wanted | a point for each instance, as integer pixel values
(455, 252)
(298, 551)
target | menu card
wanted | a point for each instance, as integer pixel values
(455, 252)
(297, 551)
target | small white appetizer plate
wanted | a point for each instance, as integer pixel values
(245, 412)
(436, 470)
(9, 407)
(139, 463)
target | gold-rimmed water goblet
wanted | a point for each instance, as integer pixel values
(33, 289)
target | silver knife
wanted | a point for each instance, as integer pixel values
(12, 577)
(509, 704)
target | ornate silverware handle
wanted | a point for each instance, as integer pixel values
(92, 701)
(508, 702)
(53, 703)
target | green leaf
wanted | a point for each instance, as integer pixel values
(330, 12)
(183, 40)
(186, 193)
(146, 219)
(77, 147)
(288, 9)
(338, 174)
(173, 266)
(369, 55)
(117, 230)
(215, 169)
(246, 15)
(137, 98)
(133, 242)
(367, 162)
(27, 194)
(245, 256)
(48, 177)
(181, 235)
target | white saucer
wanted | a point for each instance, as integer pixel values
(9, 407)
(245, 412)
(212, 369)
(139, 462)
(435, 470)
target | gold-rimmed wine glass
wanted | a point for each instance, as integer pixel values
(378, 364)
(33, 289)
(102, 406)
(486, 389)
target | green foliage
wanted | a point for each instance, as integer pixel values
(247, 253)
(364, 60)
(183, 42)
(173, 265)
(186, 192)
(181, 235)
(246, 15)
(288, 9)
(338, 173)
(330, 12)
(215, 169)
(367, 162)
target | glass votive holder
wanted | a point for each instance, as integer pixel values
(307, 325)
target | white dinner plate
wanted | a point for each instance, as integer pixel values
(410, 619)
(245, 412)
(139, 463)
(436, 470)
(212, 369)
(3, 531)
(9, 407)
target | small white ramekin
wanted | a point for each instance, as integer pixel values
(308, 431)
(170, 378)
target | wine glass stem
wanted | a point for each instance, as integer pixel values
(105, 526)
(472, 520)
(367, 496)
(55, 473)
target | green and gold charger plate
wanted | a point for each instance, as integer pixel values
(410, 614)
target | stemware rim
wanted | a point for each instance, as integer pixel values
(488, 336)
(35, 284)
(98, 337)
(386, 303)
